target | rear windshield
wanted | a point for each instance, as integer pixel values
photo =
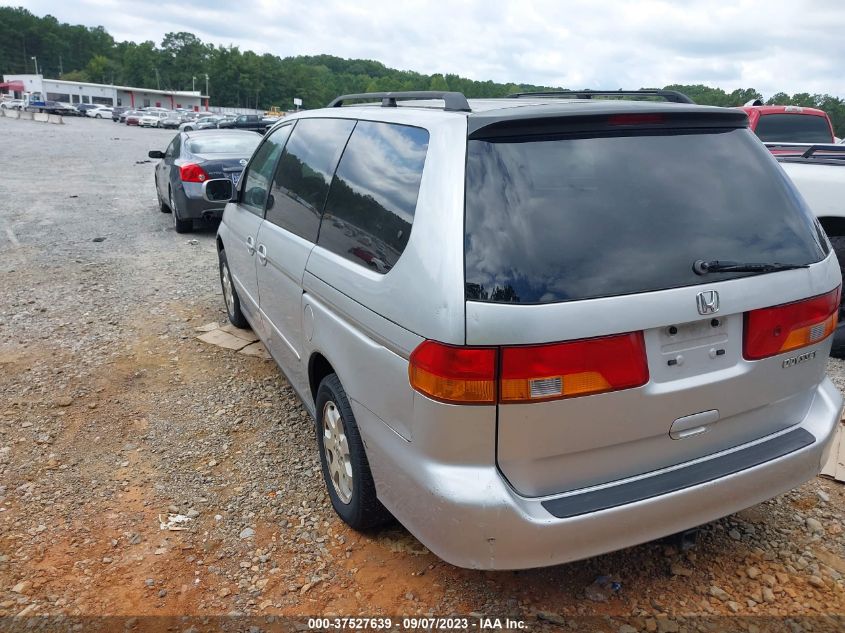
(793, 128)
(574, 218)
(243, 145)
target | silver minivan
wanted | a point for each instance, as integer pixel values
(539, 328)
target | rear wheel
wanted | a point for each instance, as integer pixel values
(838, 349)
(162, 206)
(230, 295)
(98, 116)
(181, 226)
(346, 470)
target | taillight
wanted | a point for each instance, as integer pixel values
(191, 172)
(464, 375)
(574, 368)
(532, 373)
(779, 329)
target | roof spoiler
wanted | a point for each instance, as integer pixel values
(452, 101)
(753, 102)
(673, 96)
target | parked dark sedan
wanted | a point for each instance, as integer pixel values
(190, 160)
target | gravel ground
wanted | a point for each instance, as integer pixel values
(113, 415)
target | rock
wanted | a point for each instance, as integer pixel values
(63, 401)
(735, 535)
(225, 591)
(815, 581)
(626, 628)
(733, 606)
(680, 570)
(192, 513)
(814, 526)
(823, 496)
(149, 582)
(719, 593)
(752, 572)
(768, 580)
(22, 587)
(768, 595)
(162, 593)
(247, 533)
(554, 618)
(665, 625)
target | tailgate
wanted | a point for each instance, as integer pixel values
(579, 236)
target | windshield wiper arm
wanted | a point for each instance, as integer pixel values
(702, 267)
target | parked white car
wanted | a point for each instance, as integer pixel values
(151, 119)
(12, 104)
(818, 172)
(100, 112)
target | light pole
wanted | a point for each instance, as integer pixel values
(35, 59)
(207, 99)
(193, 84)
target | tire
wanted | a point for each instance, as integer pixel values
(161, 204)
(350, 483)
(98, 116)
(181, 226)
(188, 128)
(838, 349)
(230, 294)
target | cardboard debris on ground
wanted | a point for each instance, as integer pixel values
(835, 466)
(229, 337)
(256, 349)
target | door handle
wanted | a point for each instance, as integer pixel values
(250, 245)
(262, 254)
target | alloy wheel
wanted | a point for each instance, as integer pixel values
(336, 450)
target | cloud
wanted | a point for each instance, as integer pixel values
(771, 45)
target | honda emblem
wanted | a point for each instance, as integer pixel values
(708, 302)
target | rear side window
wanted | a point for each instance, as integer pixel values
(578, 218)
(373, 197)
(793, 128)
(305, 171)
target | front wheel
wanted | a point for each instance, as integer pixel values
(346, 470)
(98, 116)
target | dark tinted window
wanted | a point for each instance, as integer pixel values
(305, 171)
(793, 128)
(260, 170)
(577, 218)
(374, 194)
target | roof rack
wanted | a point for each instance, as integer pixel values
(672, 96)
(453, 101)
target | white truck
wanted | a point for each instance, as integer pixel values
(818, 171)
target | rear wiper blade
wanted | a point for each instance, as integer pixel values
(702, 267)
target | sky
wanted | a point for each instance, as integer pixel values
(771, 45)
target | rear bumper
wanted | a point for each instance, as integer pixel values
(192, 206)
(471, 517)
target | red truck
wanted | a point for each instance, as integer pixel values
(788, 123)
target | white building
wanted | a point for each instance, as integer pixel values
(84, 92)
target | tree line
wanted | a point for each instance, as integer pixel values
(245, 79)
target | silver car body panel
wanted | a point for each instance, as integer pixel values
(470, 481)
